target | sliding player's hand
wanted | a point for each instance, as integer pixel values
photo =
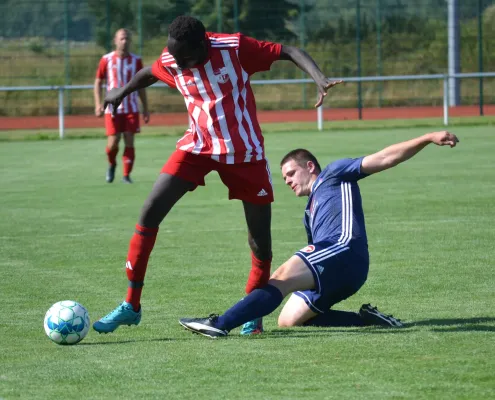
(323, 88)
(114, 97)
(444, 138)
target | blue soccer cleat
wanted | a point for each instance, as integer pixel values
(124, 314)
(254, 327)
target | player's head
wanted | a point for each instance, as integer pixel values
(122, 40)
(299, 170)
(187, 41)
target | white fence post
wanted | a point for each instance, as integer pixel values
(446, 100)
(319, 113)
(61, 112)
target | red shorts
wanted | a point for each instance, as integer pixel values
(249, 182)
(122, 123)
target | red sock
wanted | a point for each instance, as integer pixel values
(140, 247)
(128, 160)
(112, 155)
(259, 275)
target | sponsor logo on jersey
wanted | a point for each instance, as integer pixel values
(221, 74)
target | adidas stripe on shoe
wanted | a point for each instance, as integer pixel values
(204, 326)
(371, 316)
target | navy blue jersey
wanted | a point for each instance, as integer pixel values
(334, 212)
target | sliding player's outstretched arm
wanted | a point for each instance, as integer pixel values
(141, 80)
(397, 153)
(304, 61)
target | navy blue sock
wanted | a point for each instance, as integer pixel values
(258, 303)
(336, 318)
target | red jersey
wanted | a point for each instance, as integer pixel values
(219, 98)
(117, 71)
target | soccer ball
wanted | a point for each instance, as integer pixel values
(66, 322)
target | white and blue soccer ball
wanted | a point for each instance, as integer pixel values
(67, 322)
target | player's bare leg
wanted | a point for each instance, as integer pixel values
(128, 157)
(291, 276)
(112, 150)
(295, 312)
(168, 189)
(258, 219)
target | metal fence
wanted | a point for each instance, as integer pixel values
(59, 42)
(63, 91)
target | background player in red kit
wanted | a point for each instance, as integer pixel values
(117, 69)
(212, 72)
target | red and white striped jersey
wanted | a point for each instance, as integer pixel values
(219, 98)
(117, 71)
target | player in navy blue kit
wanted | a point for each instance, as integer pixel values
(334, 264)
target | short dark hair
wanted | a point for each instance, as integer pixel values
(301, 156)
(187, 29)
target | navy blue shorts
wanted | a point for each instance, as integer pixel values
(338, 270)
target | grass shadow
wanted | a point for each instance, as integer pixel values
(441, 325)
(451, 321)
(473, 324)
(132, 341)
(323, 331)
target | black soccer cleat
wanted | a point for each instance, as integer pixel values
(204, 326)
(111, 173)
(371, 316)
(126, 179)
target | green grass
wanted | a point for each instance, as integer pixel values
(65, 234)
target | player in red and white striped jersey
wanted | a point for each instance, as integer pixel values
(117, 69)
(212, 73)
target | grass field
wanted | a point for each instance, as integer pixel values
(65, 234)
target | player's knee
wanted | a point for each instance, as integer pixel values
(286, 321)
(114, 146)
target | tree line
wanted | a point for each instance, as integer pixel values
(333, 20)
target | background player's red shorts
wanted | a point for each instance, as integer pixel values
(250, 182)
(122, 123)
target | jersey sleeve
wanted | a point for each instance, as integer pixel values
(101, 72)
(256, 55)
(346, 169)
(161, 73)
